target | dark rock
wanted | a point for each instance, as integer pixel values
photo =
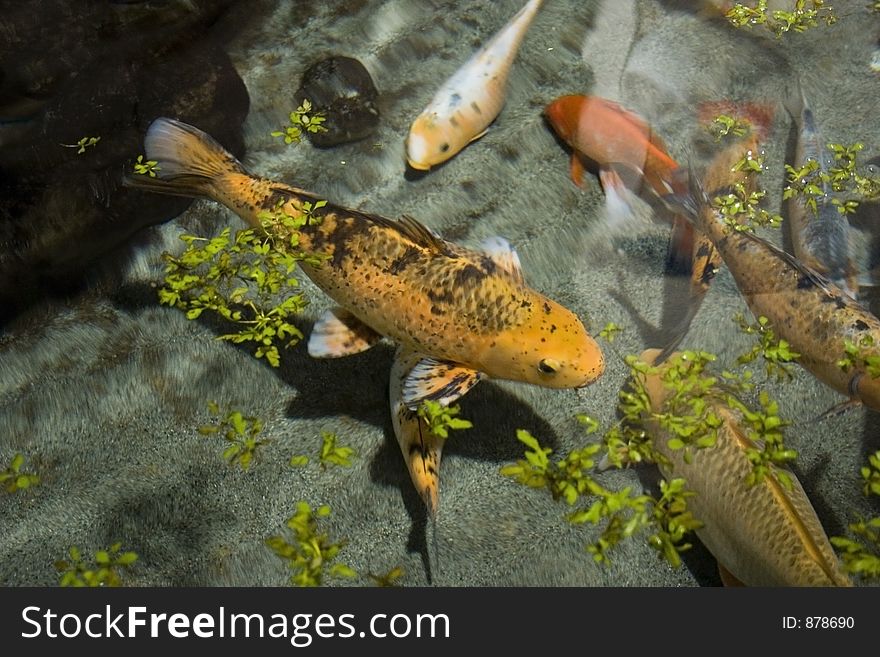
(344, 90)
(109, 73)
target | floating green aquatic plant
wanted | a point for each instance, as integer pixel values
(13, 479)
(247, 280)
(624, 512)
(146, 168)
(106, 569)
(724, 126)
(863, 558)
(239, 431)
(801, 18)
(302, 119)
(388, 579)
(843, 176)
(776, 352)
(82, 144)
(610, 331)
(441, 419)
(310, 552)
(741, 209)
(765, 431)
(332, 453)
(858, 355)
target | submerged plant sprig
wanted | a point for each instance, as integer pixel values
(862, 557)
(673, 521)
(776, 352)
(843, 176)
(441, 419)
(859, 355)
(106, 570)
(725, 126)
(239, 431)
(741, 209)
(302, 120)
(801, 18)
(765, 431)
(332, 453)
(14, 479)
(247, 280)
(310, 552)
(83, 144)
(146, 167)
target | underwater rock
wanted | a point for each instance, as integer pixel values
(343, 89)
(63, 206)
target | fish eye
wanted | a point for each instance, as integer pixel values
(444, 148)
(548, 366)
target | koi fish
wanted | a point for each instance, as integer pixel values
(618, 142)
(815, 316)
(762, 534)
(702, 259)
(820, 239)
(467, 313)
(470, 100)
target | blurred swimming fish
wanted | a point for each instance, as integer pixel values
(471, 99)
(815, 316)
(820, 239)
(762, 534)
(617, 142)
(467, 313)
(702, 260)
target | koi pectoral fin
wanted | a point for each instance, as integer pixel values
(338, 333)
(438, 381)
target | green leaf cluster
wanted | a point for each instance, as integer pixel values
(672, 520)
(765, 430)
(13, 479)
(105, 571)
(724, 126)
(687, 415)
(146, 168)
(239, 431)
(624, 511)
(310, 552)
(776, 352)
(82, 144)
(741, 209)
(801, 18)
(244, 280)
(859, 355)
(441, 419)
(812, 182)
(388, 579)
(863, 558)
(332, 453)
(610, 331)
(302, 119)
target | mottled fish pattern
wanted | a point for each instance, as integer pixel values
(763, 534)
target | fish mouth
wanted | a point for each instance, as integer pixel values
(417, 165)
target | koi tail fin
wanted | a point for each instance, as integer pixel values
(189, 162)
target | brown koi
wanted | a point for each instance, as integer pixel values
(465, 312)
(809, 311)
(762, 534)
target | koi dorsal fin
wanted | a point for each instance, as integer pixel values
(422, 235)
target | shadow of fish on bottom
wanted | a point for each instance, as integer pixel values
(460, 314)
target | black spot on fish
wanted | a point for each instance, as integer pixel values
(436, 311)
(488, 265)
(703, 251)
(526, 304)
(444, 148)
(440, 297)
(547, 308)
(476, 107)
(454, 100)
(805, 283)
(553, 328)
(859, 325)
(469, 276)
(454, 123)
(409, 256)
